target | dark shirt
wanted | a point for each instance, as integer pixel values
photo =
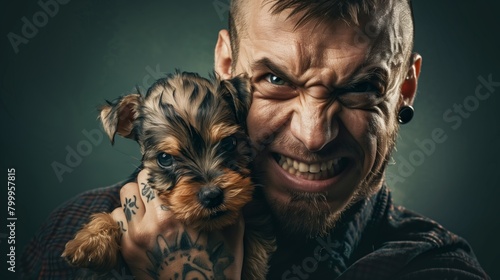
(374, 240)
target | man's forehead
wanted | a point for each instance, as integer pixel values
(367, 45)
(386, 25)
(388, 17)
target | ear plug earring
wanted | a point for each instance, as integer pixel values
(405, 114)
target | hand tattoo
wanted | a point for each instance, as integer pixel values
(147, 192)
(185, 259)
(128, 207)
(122, 228)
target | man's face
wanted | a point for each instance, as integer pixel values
(322, 118)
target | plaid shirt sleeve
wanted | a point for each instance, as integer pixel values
(42, 256)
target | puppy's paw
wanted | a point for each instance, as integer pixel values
(96, 245)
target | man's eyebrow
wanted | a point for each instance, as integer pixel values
(266, 63)
(360, 75)
(364, 74)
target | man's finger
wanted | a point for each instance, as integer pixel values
(148, 194)
(132, 204)
(119, 216)
(154, 205)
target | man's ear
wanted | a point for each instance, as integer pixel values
(237, 92)
(118, 116)
(409, 86)
(223, 55)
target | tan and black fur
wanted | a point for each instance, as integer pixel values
(192, 135)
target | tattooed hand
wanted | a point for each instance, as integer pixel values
(156, 246)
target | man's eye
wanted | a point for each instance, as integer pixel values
(365, 87)
(275, 80)
(361, 95)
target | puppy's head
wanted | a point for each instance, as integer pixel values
(192, 136)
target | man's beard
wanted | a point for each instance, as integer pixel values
(307, 214)
(310, 214)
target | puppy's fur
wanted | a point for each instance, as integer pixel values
(194, 145)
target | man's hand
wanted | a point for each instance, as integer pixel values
(157, 246)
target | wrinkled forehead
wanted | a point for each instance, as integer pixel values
(386, 30)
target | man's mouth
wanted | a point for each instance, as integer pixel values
(312, 171)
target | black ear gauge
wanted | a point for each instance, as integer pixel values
(405, 114)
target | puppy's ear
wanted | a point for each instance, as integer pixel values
(238, 93)
(118, 116)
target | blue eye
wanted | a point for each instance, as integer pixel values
(275, 80)
(165, 160)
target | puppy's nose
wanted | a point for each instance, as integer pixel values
(210, 196)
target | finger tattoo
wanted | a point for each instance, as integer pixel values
(128, 207)
(147, 192)
(122, 227)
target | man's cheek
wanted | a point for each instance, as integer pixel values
(384, 131)
(265, 119)
(356, 123)
(371, 136)
(255, 125)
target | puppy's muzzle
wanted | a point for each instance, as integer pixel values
(210, 196)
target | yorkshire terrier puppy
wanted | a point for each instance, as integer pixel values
(192, 134)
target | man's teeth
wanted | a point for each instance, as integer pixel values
(314, 171)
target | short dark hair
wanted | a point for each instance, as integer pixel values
(324, 10)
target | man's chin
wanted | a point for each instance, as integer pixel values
(304, 215)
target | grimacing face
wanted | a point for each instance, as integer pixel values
(325, 104)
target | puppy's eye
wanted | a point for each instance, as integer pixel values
(228, 144)
(164, 160)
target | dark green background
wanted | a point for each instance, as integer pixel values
(95, 50)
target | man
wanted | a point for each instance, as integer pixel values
(332, 82)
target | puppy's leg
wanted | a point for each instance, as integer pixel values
(259, 245)
(96, 245)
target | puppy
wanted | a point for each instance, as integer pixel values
(192, 134)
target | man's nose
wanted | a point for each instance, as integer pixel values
(314, 123)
